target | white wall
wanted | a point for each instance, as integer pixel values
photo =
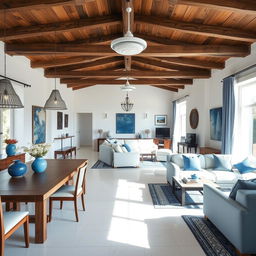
(205, 94)
(102, 99)
(19, 68)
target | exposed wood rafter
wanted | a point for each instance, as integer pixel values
(199, 29)
(105, 50)
(45, 29)
(134, 74)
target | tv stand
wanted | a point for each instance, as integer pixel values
(163, 143)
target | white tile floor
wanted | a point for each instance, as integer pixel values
(119, 220)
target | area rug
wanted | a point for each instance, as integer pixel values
(143, 164)
(163, 197)
(212, 241)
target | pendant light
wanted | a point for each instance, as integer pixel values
(127, 87)
(8, 96)
(127, 105)
(55, 101)
(128, 45)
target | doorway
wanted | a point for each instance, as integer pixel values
(84, 129)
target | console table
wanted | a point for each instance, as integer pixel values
(65, 151)
(5, 161)
(187, 146)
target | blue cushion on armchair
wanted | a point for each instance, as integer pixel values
(191, 163)
(128, 148)
(242, 184)
(222, 162)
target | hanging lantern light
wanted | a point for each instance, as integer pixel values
(127, 105)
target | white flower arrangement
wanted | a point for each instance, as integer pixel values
(38, 150)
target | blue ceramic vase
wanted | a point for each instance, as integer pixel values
(39, 165)
(10, 149)
(17, 169)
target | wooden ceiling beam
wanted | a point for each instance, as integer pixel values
(134, 74)
(105, 50)
(234, 5)
(45, 29)
(143, 81)
(155, 62)
(82, 87)
(17, 5)
(64, 61)
(198, 29)
(193, 62)
(94, 63)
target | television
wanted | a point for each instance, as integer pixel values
(162, 132)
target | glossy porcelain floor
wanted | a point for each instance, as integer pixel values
(119, 220)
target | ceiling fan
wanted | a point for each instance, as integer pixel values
(128, 45)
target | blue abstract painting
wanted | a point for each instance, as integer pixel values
(125, 123)
(216, 123)
(38, 125)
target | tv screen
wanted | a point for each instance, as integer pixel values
(162, 132)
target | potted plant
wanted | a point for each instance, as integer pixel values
(11, 147)
(38, 151)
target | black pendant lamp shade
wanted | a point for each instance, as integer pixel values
(8, 96)
(55, 102)
(127, 105)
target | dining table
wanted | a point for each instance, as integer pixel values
(38, 187)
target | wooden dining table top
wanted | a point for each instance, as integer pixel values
(39, 185)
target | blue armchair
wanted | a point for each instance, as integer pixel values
(236, 219)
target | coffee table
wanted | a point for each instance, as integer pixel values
(150, 155)
(198, 186)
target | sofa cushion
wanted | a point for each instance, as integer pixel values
(133, 144)
(242, 184)
(191, 163)
(224, 177)
(124, 149)
(203, 174)
(178, 159)
(222, 162)
(247, 165)
(209, 161)
(117, 148)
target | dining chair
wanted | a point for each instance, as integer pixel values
(9, 223)
(71, 192)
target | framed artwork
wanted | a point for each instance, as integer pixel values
(38, 125)
(216, 123)
(161, 120)
(125, 123)
(194, 118)
(66, 120)
(59, 120)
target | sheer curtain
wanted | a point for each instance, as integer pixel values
(174, 126)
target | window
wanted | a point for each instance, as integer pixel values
(245, 119)
(6, 126)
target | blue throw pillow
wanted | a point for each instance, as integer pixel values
(191, 163)
(222, 163)
(128, 148)
(246, 166)
(242, 184)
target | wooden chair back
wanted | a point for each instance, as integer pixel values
(80, 181)
(1, 223)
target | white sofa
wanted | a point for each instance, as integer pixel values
(108, 155)
(175, 167)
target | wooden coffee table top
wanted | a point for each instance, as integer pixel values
(196, 185)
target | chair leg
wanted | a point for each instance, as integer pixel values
(61, 205)
(82, 199)
(76, 210)
(2, 245)
(26, 232)
(50, 210)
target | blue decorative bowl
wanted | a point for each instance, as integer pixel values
(17, 169)
(10, 149)
(39, 165)
(194, 177)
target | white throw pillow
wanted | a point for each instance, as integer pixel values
(117, 148)
(124, 149)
